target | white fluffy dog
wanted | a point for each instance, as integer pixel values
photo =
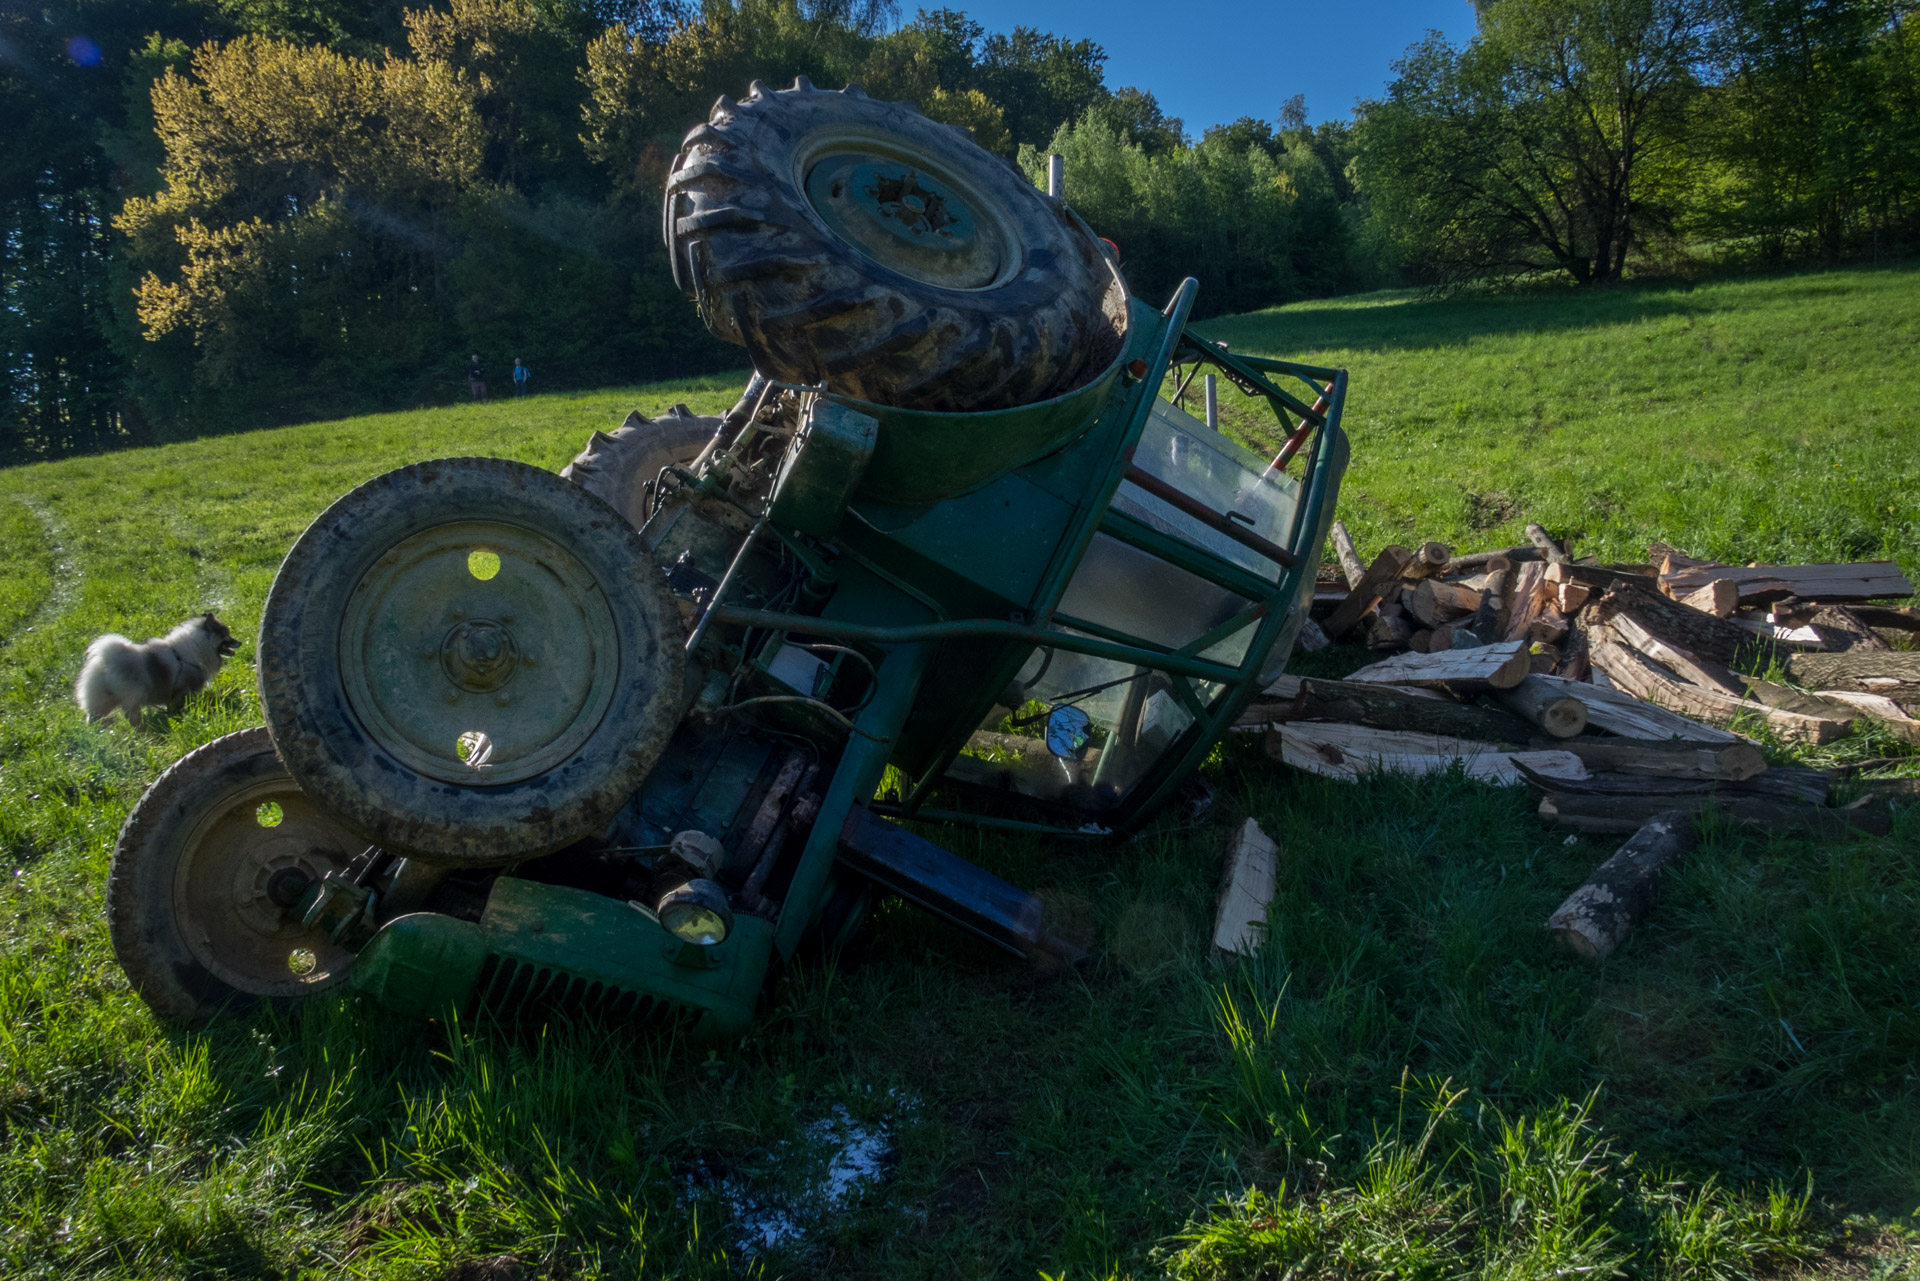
(119, 673)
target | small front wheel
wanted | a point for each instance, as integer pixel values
(203, 899)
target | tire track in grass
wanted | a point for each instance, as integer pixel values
(63, 571)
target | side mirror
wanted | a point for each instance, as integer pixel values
(1068, 731)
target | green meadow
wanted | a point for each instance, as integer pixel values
(1408, 1081)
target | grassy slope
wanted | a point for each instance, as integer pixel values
(1761, 1025)
(1743, 420)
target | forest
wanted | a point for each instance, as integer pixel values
(223, 214)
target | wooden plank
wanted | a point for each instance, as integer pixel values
(1728, 762)
(1630, 717)
(1499, 666)
(1866, 580)
(1310, 698)
(1373, 584)
(1643, 679)
(1596, 918)
(1350, 752)
(1246, 892)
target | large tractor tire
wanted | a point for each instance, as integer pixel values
(470, 661)
(622, 467)
(857, 244)
(207, 879)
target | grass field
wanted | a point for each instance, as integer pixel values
(1408, 1082)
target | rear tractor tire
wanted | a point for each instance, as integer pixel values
(622, 467)
(856, 244)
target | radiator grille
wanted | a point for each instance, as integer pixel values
(511, 989)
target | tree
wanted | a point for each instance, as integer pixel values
(1539, 146)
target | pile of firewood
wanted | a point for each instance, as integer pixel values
(1610, 688)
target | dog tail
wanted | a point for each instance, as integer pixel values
(94, 689)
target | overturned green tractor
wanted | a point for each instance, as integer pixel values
(614, 740)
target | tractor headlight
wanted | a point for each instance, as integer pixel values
(696, 912)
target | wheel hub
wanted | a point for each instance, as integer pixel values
(479, 655)
(920, 224)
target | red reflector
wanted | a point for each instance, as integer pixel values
(1136, 369)
(1113, 250)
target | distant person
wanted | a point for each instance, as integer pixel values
(521, 377)
(476, 382)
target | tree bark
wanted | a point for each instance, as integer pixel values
(1539, 700)
(1597, 917)
(1382, 707)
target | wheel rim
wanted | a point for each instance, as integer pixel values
(479, 653)
(923, 221)
(239, 882)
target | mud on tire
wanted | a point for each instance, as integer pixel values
(856, 243)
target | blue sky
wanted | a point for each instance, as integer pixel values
(1211, 61)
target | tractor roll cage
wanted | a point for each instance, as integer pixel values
(1272, 605)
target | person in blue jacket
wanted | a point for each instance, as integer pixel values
(521, 377)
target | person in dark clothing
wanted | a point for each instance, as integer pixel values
(521, 377)
(476, 382)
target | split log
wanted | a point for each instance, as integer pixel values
(1790, 784)
(1311, 640)
(1491, 612)
(1867, 580)
(1643, 679)
(1246, 891)
(1712, 762)
(1707, 637)
(1367, 592)
(1894, 673)
(1845, 631)
(1390, 630)
(1784, 635)
(1688, 665)
(1783, 699)
(1540, 700)
(1478, 560)
(1882, 617)
(1327, 598)
(1421, 641)
(1351, 752)
(1350, 564)
(1629, 717)
(1435, 601)
(1554, 553)
(1880, 708)
(1621, 814)
(1667, 559)
(1309, 698)
(1719, 598)
(1597, 917)
(1571, 596)
(1499, 666)
(1430, 560)
(1599, 577)
(1529, 594)
(1549, 628)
